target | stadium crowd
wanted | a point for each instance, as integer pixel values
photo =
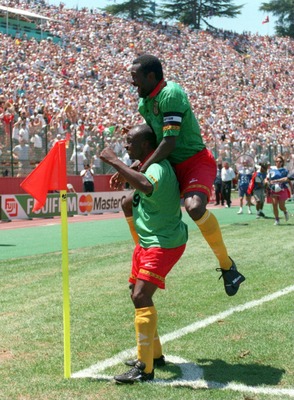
(240, 86)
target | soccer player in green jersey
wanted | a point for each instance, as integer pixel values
(165, 107)
(162, 240)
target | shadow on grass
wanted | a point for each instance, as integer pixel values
(211, 374)
(248, 374)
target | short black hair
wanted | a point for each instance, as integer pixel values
(145, 132)
(148, 64)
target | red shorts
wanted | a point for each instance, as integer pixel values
(154, 263)
(197, 173)
(283, 195)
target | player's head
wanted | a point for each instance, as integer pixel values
(146, 73)
(140, 142)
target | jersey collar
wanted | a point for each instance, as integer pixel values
(158, 88)
(145, 159)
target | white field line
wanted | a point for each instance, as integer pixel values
(192, 376)
(214, 318)
(193, 370)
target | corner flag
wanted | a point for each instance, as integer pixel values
(50, 174)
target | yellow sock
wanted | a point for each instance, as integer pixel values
(134, 234)
(145, 325)
(157, 349)
(211, 232)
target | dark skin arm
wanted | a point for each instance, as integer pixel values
(117, 181)
(135, 179)
(162, 152)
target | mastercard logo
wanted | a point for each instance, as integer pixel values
(86, 203)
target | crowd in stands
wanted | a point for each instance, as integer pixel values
(240, 86)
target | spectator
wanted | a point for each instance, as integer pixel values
(78, 159)
(244, 178)
(88, 149)
(227, 175)
(277, 180)
(88, 178)
(22, 153)
(96, 161)
(8, 122)
(15, 131)
(259, 189)
(218, 185)
(37, 142)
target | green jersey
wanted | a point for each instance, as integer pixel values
(169, 113)
(157, 216)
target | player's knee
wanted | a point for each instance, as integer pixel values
(196, 206)
(140, 299)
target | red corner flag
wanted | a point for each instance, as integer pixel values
(266, 20)
(50, 174)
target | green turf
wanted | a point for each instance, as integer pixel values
(252, 347)
(46, 239)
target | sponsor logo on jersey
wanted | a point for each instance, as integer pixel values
(155, 108)
(193, 180)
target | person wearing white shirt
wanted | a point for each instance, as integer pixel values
(88, 178)
(227, 175)
(78, 159)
